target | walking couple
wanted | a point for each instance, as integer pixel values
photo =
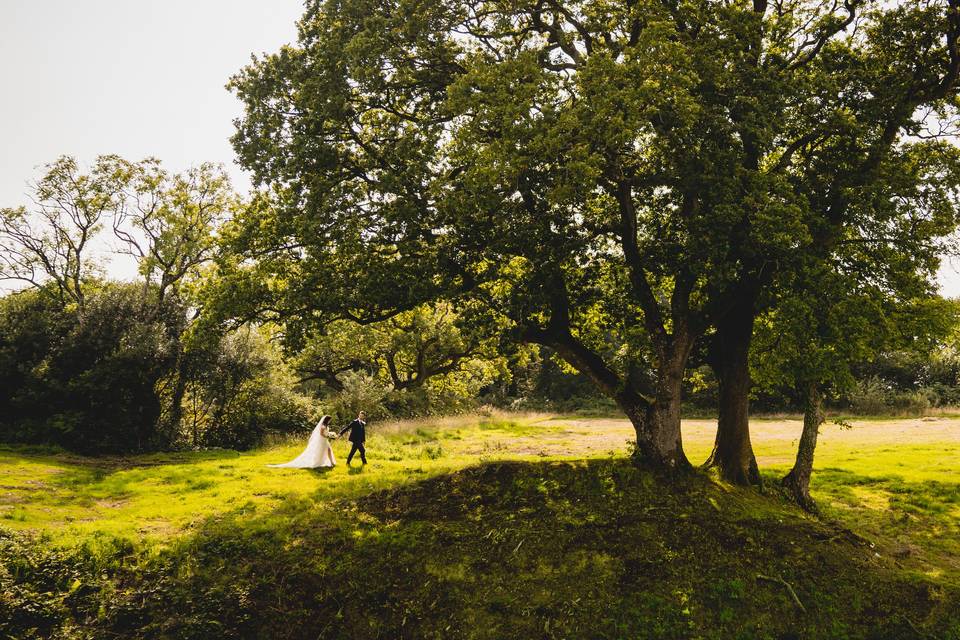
(319, 453)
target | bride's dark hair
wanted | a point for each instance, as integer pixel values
(325, 419)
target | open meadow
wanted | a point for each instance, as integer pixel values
(488, 526)
(894, 481)
(623, 212)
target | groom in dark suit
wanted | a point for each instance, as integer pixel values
(358, 435)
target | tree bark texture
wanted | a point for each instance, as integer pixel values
(797, 482)
(733, 451)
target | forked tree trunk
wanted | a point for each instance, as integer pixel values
(657, 419)
(797, 482)
(732, 450)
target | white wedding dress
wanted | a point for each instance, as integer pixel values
(318, 453)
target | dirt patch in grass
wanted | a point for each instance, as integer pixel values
(605, 434)
(110, 503)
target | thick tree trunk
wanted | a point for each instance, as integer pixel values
(732, 451)
(654, 412)
(657, 424)
(797, 482)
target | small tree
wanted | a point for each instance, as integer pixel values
(166, 222)
(823, 326)
(240, 391)
(55, 241)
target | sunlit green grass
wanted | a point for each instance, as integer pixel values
(903, 494)
(906, 500)
(160, 495)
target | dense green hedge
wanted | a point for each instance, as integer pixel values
(118, 376)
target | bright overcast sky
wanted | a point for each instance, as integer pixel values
(137, 78)
(134, 77)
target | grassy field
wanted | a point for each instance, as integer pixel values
(159, 496)
(894, 483)
(895, 480)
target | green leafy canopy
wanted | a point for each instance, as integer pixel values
(604, 175)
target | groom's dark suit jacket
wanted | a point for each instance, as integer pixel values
(358, 431)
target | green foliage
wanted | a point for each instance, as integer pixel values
(540, 380)
(164, 221)
(876, 397)
(423, 361)
(238, 390)
(52, 245)
(612, 180)
(109, 367)
(835, 330)
(104, 380)
(360, 392)
(168, 222)
(86, 380)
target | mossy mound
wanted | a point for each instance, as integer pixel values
(595, 549)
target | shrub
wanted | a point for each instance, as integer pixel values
(361, 392)
(118, 377)
(239, 392)
(85, 379)
(873, 396)
(913, 403)
(942, 395)
(869, 396)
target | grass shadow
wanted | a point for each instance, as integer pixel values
(522, 550)
(917, 522)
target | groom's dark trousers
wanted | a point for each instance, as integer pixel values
(357, 448)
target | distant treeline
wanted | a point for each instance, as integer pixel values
(195, 353)
(894, 383)
(124, 374)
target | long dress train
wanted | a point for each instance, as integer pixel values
(318, 453)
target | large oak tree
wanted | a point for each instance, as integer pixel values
(619, 179)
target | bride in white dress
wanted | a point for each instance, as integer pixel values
(318, 453)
